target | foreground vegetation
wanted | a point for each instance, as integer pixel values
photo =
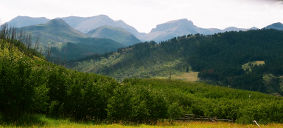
(46, 122)
(30, 85)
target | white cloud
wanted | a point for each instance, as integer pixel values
(145, 14)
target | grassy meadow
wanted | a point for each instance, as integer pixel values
(47, 122)
(55, 123)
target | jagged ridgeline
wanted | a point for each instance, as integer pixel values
(249, 60)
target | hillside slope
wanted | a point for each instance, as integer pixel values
(63, 52)
(29, 84)
(218, 58)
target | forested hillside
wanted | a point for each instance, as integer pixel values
(31, 85)
(249, 60)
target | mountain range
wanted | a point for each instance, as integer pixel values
(161, 32)
(68, 43)
(84, 25)
(77, 37)
(181, 27)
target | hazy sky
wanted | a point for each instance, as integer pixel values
(146, 14)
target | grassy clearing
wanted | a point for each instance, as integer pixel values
(45, 122)
(190, 77)
(248, 66)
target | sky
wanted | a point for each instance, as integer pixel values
(146, 14)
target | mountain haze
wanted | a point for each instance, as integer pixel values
(276, 26)
(162, 31)
(67, 42)
(181, 27)
(86, 24)
(55, 30)
(117, 34)
(22, 21)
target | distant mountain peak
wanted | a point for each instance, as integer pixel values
(176, 24)
(102, 16)
(184, 20)
(277, 23)
(22, 17)
(120, 22)
(29, 17)
(57, 22)
(276, 26)
(117, 34)
(86, 24)
(110, 27)
(254, 28)
(179, 22)
(22, 21)
(234, 29)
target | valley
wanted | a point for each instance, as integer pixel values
(99, 72)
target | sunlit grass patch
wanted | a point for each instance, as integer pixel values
(47, 122)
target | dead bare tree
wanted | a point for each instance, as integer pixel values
(49, 52)
(36, 43)
(17, 37)
(28, 41)
(256, 123)
(3, 32)
(13, 33)
(41, 50)
(64, 57)
(21, 35)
